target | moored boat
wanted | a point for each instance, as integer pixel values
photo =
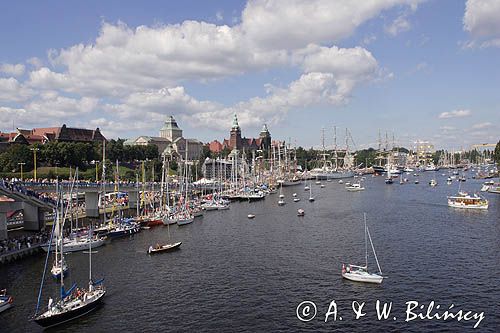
(6, 301)
(355, 187)
(465, 200)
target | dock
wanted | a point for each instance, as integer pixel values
(19, 254)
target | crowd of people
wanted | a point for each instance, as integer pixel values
(14, 185)
(22, 242)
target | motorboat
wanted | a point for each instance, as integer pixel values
(465, 200)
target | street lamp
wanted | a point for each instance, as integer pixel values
(34, 150)
(96, 163)
(21, 164)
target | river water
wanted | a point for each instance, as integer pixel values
(233, 274)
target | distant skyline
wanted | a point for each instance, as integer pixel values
(421, 70)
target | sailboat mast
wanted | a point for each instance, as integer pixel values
(103, 195)
(76, 174)
(168, 194)
(90, 258)
(60, 240)
(162, 183)
(366, 244)
(137, 195)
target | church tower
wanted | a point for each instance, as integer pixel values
(265, 138)
(235, 139)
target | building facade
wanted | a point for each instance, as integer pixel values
(239, 143)
(217, 169)
(64, 134)
(170, 142)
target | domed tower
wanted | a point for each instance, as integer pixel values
(170, 130)
(235, 138)
(265, 138)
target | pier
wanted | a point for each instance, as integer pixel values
(19, 254)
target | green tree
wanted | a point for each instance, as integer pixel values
(15, 154)
(150, 151)
(496, 154)
(366, 157)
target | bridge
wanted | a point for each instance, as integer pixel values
(33, 208)
(26, 196)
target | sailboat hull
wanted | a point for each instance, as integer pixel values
(363, 277)
(185, 221)
(56, 319)
(75, 246)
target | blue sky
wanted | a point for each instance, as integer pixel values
(424, 70)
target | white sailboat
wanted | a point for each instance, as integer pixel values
(360, 273)
(281, 201)
(311, 198)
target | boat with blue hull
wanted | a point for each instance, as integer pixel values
(5, 301)
(64, 311)
(125, 228)
(74, 302)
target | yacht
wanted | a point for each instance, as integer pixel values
(464, 200)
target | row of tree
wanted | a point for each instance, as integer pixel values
(66, 154)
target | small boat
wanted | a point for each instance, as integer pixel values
(145, 228)
(281, 201)
(311, 198)
(416, 181)
(389, 181)
(433, 182)
(250, 216)
(5, 300)
(485, 187)
(186, 219)
(464, 200)
(341, 181)
(355, 187)
(360, 273)
(57, 270)
(294, 195)
(164, 248)
(322, 185)
(300, 212)
(318, 183)
(306, 188)
(296, 199)
(222, 207)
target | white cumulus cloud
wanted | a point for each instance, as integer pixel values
(139, 73)
(455, 114)
(482, 21)
(12, 69)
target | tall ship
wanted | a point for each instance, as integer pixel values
(337, 167)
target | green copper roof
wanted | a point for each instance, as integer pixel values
(170, 123)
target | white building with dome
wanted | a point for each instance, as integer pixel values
(170, 142)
